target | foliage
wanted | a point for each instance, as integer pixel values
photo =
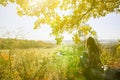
(110, 53)
(49, 11)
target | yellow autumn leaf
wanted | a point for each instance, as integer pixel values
(76, 38)
(20, 13)
(5, 56)
(93, 32)
(11, 0)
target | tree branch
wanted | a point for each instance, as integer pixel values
(93, 5)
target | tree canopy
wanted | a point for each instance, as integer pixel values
(75, 14)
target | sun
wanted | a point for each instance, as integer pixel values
(35, 2)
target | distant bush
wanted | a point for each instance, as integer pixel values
(23, 44)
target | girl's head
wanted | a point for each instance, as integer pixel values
(90, 42)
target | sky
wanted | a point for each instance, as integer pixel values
(14, 26)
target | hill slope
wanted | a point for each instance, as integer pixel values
(23, 44)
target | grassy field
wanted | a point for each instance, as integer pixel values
(48, 63)
(55, 63)
(24, 64)
(37, 64)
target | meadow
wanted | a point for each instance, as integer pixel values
(49, 62)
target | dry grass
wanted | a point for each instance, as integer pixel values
(26, 64)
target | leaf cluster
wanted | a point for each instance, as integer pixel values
(49, 12)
